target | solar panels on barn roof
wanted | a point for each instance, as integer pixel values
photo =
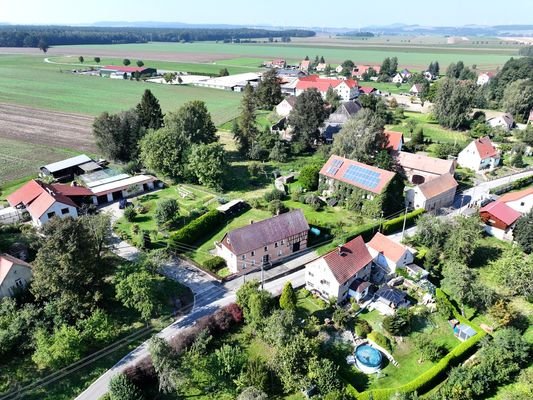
(362, 176)
(334, 167)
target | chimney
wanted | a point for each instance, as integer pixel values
(340, 249)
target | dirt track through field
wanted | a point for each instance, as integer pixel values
(49, 128)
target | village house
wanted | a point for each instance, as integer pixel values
(265, 242)
(359, 70)
(433, 194)
(484, 78)
(394, 141)
(339, 69)
(521, 201)
(304, 65)
(416, 89)
(368, 90)
(499, 219)
(504, 121)
(332, 275)
(15, 275)
(406, 74)
(277, 63)
(428, 76)
(321, 67)
(337, 119)
(67, 170)
(388, 254)
(44, 201)
(339, 171)
(480, 154)
(347, 89)
(419, 168)
(119, 71)
(398, 78)
(284, 108)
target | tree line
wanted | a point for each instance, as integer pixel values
(29, 36)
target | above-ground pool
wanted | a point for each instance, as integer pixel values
(368, 359)
(315, 231)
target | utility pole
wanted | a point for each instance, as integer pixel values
(404, 222)
(381, 221)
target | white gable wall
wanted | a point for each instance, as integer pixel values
(18, 276)
(58, 209)
(523, 205)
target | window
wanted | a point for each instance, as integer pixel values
(282, 242)
(19, 283)
(50, 214)
(310, 273)
(253, 262)
(64, 211)
(280, 253)
(253, 253)
(522, 204)
(266, 248)
(243, 265)
(276, 244)
(244, 256)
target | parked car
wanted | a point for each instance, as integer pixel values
(123, 203)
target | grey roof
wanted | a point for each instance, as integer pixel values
(394, 296)
(344, 112)
(90, 166)
(68, 163)
(254, 236)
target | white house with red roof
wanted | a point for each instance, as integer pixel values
(484, 78)
(359, 70)
(347, 89)
(480, 154)
(43, 201)
(499, 219)
(394, 140)
(15, 275)
(304, 65)
(389, 254)
(433, 194)
(521, 201)
(372, 180)
(332, 275)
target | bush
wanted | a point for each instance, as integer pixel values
(166, 211)
(308, 177)
(380, 340)
(130, 214)
(195, 230)
(121, 388)
(276, 207)
(274, 194)
(362, 328)
(134, 229)
(145, 241)
(215, 264)
(396, 224)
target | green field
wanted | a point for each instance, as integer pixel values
(28, 80)
(236, 66)
(333, 52)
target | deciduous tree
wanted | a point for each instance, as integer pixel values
(121, 388)
(269, 90)
(306, 117)
(208, 163)
(453, 102)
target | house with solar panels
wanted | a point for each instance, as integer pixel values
(342, 178)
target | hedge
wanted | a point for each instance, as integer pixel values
(195, 230)
(518, 184)
(396, 224)
(214, 264)
(380, 340)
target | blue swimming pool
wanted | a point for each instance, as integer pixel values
(315, 231)
(368, 359)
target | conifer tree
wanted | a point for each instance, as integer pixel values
(149, 111)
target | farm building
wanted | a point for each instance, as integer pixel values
(44, 201)
(15, 275)
(433, 194)
(347, 89)
(67, 170)
(340, 171)
(235, 83)
(119, 187)
(264, 242)
(337, 119)
(499, 219)
(419, 168)
(124, 71)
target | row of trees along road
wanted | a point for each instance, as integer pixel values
(179, 145)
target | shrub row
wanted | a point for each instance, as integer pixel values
(195, 230)
(396, 224)
(214, 264)
(443, 297)
(143, 374)
(518, 184)
(424, 381)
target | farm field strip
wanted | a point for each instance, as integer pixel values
(408, 55)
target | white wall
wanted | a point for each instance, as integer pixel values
(523, 205)
(56, 209)
(10, 281)
(283, 109)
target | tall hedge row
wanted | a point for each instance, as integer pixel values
(518, 184)
(196, 229)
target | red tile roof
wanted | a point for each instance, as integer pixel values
(388, 247)
(394, 140)
(437, 186)
(38, 197)
(322, 84)
(513, 196)
(485, 148)
(68, 190)
(420, 162)
(502, 212)
(348, 259)
(367, 89)
(328, 170)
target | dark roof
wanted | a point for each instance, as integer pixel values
(351, 107)
(359, 285)
(392, 295)
(251, 237)
(347, 260)
(291, 100)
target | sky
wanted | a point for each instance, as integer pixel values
(343, 13)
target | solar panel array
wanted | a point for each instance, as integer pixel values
(334, 167)
(362, 176)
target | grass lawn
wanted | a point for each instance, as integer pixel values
(388, 86)
(28, 80)
(405, 352)
(261, 121)
(431, 129)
